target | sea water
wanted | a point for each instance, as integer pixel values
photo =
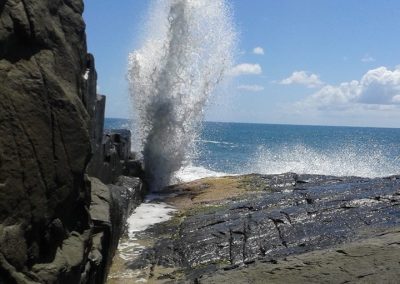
(241, 148)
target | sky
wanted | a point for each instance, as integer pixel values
(313, 62)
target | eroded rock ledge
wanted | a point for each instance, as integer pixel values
(280, 228)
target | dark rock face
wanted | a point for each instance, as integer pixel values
(282, 215)
(44, 139)
(57, 225)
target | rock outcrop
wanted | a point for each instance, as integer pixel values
(57, 225)
(112, 157)
(44, 141)
(110, 207)
(261, 228)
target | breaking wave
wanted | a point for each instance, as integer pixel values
(346, 161)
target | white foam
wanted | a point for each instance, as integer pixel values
(86, 75)
(148, 214)
(216, 142)
(191, 173)
(145, 215)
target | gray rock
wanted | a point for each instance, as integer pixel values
(56, 224)
(134, 168)
(44, 140)
(121, 139)
(99, 119)
(112, 158)
(110, 208)
(100, 206)
(276, 216)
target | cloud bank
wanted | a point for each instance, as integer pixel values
(378, 89)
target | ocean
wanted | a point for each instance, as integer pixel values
(241, 148)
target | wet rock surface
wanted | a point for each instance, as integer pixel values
(372, 260)
(268, 219)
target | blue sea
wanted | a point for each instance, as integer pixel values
(239, 148)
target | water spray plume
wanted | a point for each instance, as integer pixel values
(186, 52)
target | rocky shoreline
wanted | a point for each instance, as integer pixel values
(67, 187)
(279, 228)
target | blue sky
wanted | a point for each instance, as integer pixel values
(321, 62)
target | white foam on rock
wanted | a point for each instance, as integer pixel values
(149, 213)
(190, 173)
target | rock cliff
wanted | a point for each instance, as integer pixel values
(56, 223)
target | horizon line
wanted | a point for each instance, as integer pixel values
(285, 124)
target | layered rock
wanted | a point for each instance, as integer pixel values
(261, 228)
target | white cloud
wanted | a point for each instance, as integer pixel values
(258, 50)
(303, 78)
(378, 89)
(333, 97)
(380, 86)
(396, 99)
(367, 58)
(245, 69)
(251, 88)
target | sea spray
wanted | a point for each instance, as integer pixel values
(346, 160)
(187, 50)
